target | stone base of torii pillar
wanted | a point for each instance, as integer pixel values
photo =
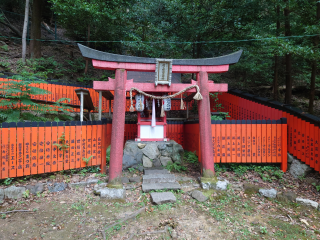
(121, 64)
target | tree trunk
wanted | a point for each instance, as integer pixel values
(24, 33)
(288, 56)
(276, 62)
(35, 44)
(314, 66)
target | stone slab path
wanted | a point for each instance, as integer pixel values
(159, 179)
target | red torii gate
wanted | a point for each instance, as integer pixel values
(120, 85)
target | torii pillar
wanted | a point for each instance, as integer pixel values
(121, 64)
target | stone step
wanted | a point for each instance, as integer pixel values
(155, 171)
(147, 187)
(159, 178)
(163, 197)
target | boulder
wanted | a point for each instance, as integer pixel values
(177, 154)
(132, 154)
(147, 163)
(299, 169)
(77, 184)
(56, 187)
(14, 192)
(125, 180)
(268, 193)
(307, 202)
(165, 160)
(92, 180)
(196, 194)
(158, 152)
(34, 189)
(151, 150)
(141, 145)
(1, 195)
(156, 162)
(163, 197)
(286, 196)
(222, 185)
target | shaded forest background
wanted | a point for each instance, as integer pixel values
(280, 39)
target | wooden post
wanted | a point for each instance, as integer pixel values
(206, 149)
(118, 125)
(100, 105)
(110, 108)
(81, 106)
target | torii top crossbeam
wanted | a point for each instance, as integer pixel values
(120, 85)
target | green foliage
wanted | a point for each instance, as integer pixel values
(62, 146)
(26, 194)
(8, 181)
(316, 186)
(217, 107)
(5, 48)
(191, 157)
(108, 154)
(175, 167)
(263, 230)
(86, 160)
(15, 99)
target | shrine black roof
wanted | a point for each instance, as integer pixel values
(104, 56)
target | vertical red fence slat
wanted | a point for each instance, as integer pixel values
(223, 141)
(249, 142)
(61, 142)
(54, 147)
(213, 130)
(27, 148)
(83, 143)
(254, 141)
(41, 148)
(264, 141)
(279, 139)
(259, 141)
(307, 143)
(284, 145)
(20, 149)
(89, 142)
(238, 141)
(78, 144)
(317, 149)
(34, 147)
(66, 161)
(13, 150)
(5, 150)
(233, 141)
(274, 141)
(299, 126)
(243, 141)
(312, 130)
(94, 143)
(103, 147)
(228, 141)
(99, 142)
(269, 141)
(47, 149)
(72, 147)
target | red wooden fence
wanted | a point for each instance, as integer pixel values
(243, 141)
(35, 148)
(303, 134)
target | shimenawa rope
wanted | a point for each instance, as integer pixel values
(197, 96)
